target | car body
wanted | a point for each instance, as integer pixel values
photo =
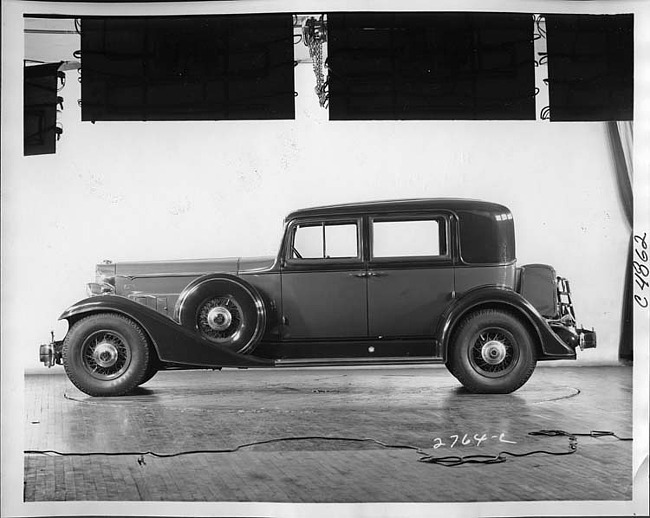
(390, 282)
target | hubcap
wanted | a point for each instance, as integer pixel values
(105, 354)
(219, 318)
(493, 352)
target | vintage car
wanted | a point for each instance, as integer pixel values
(391, 282)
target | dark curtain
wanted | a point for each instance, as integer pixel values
(620, 139)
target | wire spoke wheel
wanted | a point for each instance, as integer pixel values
(223, 310)
(105, 354)
(220, 319)
(494, 352)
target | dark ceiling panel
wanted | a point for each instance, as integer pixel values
(40, 103)
(591, 67)
(431, 66)
(187, 68)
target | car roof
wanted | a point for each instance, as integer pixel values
(399, 207)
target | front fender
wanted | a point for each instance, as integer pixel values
(173, 342)
(501, 297)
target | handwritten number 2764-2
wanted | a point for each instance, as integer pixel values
(466, 439)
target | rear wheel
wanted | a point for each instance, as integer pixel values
(492, 352)
(106, 355)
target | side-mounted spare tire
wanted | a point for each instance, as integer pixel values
(492, 352)
(224, 310)
(106, 354)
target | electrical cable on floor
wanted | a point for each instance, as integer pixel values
(230, 450)
(593, 433)
(452, 460)
(448, 461)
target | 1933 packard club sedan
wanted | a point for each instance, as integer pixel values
(392, 282)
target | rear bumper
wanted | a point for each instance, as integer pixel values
(574, 337)
(587, 339)
(564, 324)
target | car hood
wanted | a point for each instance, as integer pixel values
(255, 264)
(233, 265)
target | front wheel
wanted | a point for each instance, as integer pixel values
(492, 352)
(106, 354)
(152, 370)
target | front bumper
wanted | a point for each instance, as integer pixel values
(51, 354)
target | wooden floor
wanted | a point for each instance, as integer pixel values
(314, 420)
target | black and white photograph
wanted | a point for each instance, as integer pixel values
(361, 258)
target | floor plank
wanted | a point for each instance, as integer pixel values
(418, 406)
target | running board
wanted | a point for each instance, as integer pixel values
(325, 362)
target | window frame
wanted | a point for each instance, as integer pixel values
(291, 261)
(443, 222)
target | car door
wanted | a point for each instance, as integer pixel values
(324, 281)
(410, 274)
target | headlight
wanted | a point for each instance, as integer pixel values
(104, 280)
(94, 288)
(105, 273)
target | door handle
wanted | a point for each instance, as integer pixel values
(364, 274)
(377, 274)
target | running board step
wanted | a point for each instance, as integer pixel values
(324, 362)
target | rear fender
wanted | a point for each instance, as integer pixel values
(173, 342)
(550, 346)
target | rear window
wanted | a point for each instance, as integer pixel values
(486, 237)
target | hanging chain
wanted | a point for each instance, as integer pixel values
(314, 33)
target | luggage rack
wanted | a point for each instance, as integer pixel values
(565, 304)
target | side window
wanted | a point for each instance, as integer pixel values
(408, 238)
(325, 241)
(308, 242)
